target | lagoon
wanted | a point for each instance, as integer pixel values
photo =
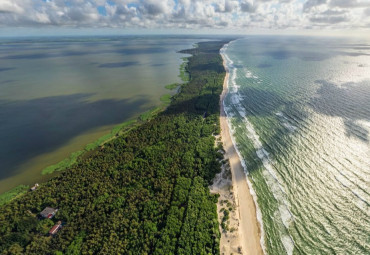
(58, 94)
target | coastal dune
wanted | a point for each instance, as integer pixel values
(249, 233)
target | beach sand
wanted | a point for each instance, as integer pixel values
(245, 239)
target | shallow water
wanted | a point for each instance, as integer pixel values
(300, 111)
(59, 94)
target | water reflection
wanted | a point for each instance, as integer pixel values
(32, 127)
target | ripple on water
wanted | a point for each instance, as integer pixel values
(309, 134)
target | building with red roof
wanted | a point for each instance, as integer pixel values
(55, 228)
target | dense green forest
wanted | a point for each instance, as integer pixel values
(145, 192)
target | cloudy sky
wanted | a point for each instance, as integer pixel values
(215, 16)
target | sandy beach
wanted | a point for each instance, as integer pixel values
(246, 237)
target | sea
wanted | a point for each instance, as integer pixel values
(299, 112)
(58, 94)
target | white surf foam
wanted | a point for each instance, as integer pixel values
(251, 190)
(249, 74)
(229, 114)
(270, 176)
(288, 244)
(271, 179)
(280, 114)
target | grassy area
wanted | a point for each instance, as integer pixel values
(166, 99)
(117, 130)
(172, 86)
(73, 157)
(13, 193)
(184, 74)
(67, 162)
(148, 115)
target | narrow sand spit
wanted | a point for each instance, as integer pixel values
(243, 235)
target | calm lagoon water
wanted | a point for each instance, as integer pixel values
(59, 94)
(299, 108)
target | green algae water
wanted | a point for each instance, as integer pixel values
(299, 112)
(58, 94)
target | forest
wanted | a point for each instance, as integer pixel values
(144, 192)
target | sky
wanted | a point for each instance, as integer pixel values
(345, 17)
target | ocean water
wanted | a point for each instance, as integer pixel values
(299, 110)
(58, 94)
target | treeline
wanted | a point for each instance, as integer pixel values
(145, 192)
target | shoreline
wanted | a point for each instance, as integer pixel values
(248, 232)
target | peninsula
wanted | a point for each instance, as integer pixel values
(144, 192)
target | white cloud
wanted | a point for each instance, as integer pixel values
(10, 6)
(191, 14)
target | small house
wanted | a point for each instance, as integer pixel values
(55, 228)
(35, 187)
(48, 212)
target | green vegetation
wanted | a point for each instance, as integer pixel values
(13, 193)
(184, 73)
(172, 86)
(166, 99)
(74, 156)
(148, 115)
(224, 220)
(75, 247)
(145, 192)
(67, 162)
(43, 226)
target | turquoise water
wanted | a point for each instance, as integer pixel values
(58, 94)
(299, 108)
